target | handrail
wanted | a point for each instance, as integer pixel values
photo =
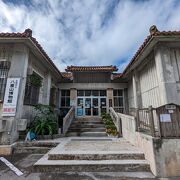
(116, 119)
(67, 120)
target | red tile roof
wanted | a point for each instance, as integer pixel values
(116, 75)
(28, 34)
(92, 68)
(66, 75)
(154, 32)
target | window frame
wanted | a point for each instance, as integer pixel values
(66, 98)
(4, 70)
(32, 93)
(118, 95)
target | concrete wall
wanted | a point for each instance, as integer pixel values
(18, 56)
(34, 65)
(162, 154)
(143, 86)
(91, 77)
(91, 86)
(6, 51)
(130, 94)
(149, 87)
(167, 153)
(167, 59)
(24, 62)
(73, 97)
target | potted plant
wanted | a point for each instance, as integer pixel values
(45, 122)
(111, 129)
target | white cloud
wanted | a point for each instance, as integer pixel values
(90, 32)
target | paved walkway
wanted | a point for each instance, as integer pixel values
(103, 144)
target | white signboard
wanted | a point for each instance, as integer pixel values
(170, 106)
(165, 117)
(10, 98)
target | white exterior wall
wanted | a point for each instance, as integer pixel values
(18, 56)
(6, 52)
(149, 87)
(167, 57)
(130, 95)
(175, 61)
(44, 93)
(144, 85)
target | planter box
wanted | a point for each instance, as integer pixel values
(54, 136)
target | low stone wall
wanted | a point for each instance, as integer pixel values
(144, 142)
(167, 154)
(162, 154)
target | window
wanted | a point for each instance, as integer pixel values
(65, 98)
(87, 92)
(103, 93)
(95, 93)
(80, 93)
(4, 69)
(118, 100)
(91, 93)
(32, 90)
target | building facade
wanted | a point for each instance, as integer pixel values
(152, 78)
(22, 59)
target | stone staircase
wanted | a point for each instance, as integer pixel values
(33, 147)
(95, 155)
(87, 127)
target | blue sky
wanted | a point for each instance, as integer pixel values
(89, 32)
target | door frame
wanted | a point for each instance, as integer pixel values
(91, 106)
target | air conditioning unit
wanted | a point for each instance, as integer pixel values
(3, 125)
(22, 124)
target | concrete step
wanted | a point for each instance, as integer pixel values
(36, 144)
(88, 119)
(93, 134)
(45, 165)
(77, 129)
(87, 134)
(87, 122)
(31, 150)
(87, 126)
(34, 147)
(94, 155)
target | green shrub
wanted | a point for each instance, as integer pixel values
(45, 122)
(109, 124)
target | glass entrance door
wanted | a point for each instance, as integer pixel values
(80, 107)
(95, 106)
(87, 107)
(91, 106)
(103, 106)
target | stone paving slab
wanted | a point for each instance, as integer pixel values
(118, 144)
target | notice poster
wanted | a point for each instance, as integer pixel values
(10, 98)
(165, 117)
(79, 111)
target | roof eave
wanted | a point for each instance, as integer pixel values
(28, 41)
(47, 60)
(146, 50)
